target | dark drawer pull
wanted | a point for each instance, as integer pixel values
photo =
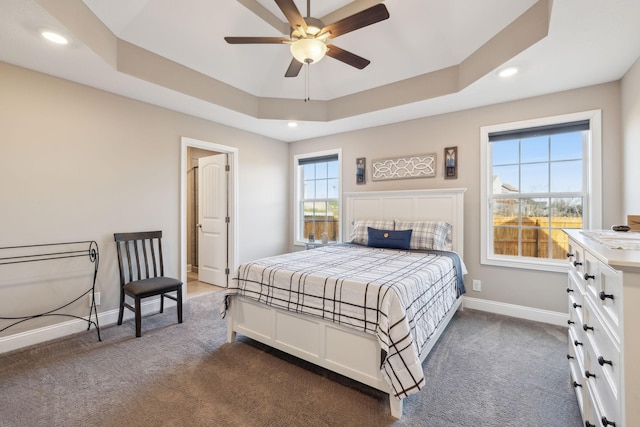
(589, 374)
(604, 296)
(570, 322)
(587, 327)
(606, 422)
(602, 361)
(577, 343)
(569, 290)
(576, 305)
(576, 263)
(569, 357)
(587, 276)
(570, 255)
(575, 384)
(588, 424)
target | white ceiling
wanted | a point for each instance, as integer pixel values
(588, 42)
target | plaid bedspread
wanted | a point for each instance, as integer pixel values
(398, 296)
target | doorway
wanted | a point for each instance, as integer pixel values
(191, 235)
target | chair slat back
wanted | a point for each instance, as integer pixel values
(139, 255)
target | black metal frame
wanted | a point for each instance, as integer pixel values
(50, 252)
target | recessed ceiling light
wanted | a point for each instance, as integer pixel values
(508, 71)
(54, 37)
(292, 124)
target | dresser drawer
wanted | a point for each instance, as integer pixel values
(604, 288)
(576, 350)
(605, 401)
(604, 350)
(589, 414)
(575, 284)
(575, 256)
(592, 416)
(576, 304)
(591, 274)
(576, 321)
(576, 368)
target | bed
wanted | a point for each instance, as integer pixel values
(363, 312)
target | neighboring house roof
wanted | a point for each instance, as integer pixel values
(499, 187)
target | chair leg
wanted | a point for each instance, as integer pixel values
(121, 313)
(138, 318)
(161, 303)
(179, 298)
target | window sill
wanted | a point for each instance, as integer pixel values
(527, 264)
(316, 243)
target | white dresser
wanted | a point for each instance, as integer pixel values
(604, 326)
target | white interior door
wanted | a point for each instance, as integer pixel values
(212, 220)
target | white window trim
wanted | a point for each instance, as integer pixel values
(298, 189)
(593, 180)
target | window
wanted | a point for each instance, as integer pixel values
(539, 177)
(318, 190)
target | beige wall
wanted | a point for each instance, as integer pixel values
(528, 288)
(77, 163)
(631, 139)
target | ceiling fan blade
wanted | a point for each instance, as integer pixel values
(358, 20)
(257, 40)
(347, 57)
(293, 15)
(294, 68)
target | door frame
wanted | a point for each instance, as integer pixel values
(232, 197)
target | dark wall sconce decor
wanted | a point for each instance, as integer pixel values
(451, 163)
(361, 172)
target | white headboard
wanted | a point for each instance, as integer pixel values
(422, 205)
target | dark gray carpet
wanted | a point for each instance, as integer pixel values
(487, 370)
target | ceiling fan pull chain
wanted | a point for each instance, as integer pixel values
(306, 82)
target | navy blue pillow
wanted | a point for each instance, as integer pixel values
(389, 239)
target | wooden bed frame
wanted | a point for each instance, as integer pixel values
(346, 351)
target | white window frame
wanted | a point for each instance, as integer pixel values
(592, 171)
(298, 189)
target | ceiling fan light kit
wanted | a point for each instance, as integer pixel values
(308, 51)
(308, 36)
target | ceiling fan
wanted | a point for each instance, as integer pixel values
(309, 35)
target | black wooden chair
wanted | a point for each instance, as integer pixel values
(142, 273)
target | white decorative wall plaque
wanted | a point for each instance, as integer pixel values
(420, 166)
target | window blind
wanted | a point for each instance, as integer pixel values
(539, 131)
(321, 159)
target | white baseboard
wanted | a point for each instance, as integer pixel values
(59, 330)
(520, 311)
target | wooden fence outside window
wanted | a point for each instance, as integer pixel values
(537, 236)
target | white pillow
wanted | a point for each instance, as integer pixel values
(360, 235)
(427, 235)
